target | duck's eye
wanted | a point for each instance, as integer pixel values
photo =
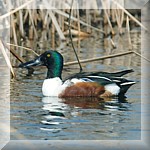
(48, 55)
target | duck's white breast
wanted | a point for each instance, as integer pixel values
(52, 87)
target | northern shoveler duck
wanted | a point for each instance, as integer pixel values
(85, 84)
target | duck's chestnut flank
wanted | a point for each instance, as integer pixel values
(83, 89)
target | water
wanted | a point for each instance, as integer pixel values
(34, 117)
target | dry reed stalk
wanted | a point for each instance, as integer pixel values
(30, 70)
(141, 56)
(25, 16)
(79, 30)
(54, 20)
(88, 19)
(110, 25)
(107, 17)
(42, 13)
(70, 35)
(119, 17)
(113, 15)
(46, 21)
(17, 9)
(75, 19)
(63, 23)
(112, 42)
(77, 33)
(53, 37)
(72, 26)
(94, 16)
(15, 54)
(6, 58)
(31, 33)
(39, 18)
(79, 46)
(34, 17)
(32, 22)
(21, 23)
(128, 32)
(60, 21)
(48, 27)
(13, 29)
(29, 49)
(78, 17)
(62, 37)
(132, 17)
(107, 6)
(99, 58)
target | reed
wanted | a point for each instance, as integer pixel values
(6, 57)
(30, 19)
(33, 25)
(107, 13)
(28, 49)
(99, 58)
(53, 23)
(13, 25)
(128, 33)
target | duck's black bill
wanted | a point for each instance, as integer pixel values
(36, 62)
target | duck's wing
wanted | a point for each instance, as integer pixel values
(114, 74)
(99, 79)
(99, 73)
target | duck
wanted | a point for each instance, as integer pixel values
(82, 84)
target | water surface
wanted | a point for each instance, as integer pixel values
(34, 117)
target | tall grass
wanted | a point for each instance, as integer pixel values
(27, 23)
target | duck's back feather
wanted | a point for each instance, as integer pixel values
(105, 74)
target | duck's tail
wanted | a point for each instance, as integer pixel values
(125, 86)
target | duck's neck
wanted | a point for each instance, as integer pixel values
(53, 74)
(54, 70)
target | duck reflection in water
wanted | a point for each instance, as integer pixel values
(62, 105)
(64, 112)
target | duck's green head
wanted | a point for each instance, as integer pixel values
(53, 60)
